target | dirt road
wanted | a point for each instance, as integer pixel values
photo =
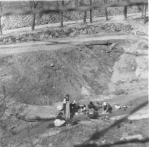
(59, 43)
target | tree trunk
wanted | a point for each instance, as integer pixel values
(91, 15)
(34, 17)
(106, 10)
(85, 14)
(125, 12)
(76, 3)
(145, 18)
(142, 10)
(33, 22)
(0, 26)
(145, 9)
(62, 15)
(0, 19)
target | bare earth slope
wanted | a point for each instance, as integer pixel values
(63, 68)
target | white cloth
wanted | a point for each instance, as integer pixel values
(104, 103)
(64, 101)
(58, 122)
(59, 107)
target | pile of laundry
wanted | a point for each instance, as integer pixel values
(68, 110)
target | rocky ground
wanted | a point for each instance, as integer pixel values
(100, 66)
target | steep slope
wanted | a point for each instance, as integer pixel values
(44, 77)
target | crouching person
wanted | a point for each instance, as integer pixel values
(107, 107)
(92, 113)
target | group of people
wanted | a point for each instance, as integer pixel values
(68, 110)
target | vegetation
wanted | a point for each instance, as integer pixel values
(39, 7)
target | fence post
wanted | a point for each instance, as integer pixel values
(62, 15)
(91, 15)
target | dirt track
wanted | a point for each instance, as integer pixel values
(59, 43)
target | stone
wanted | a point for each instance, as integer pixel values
(72, 34)
(36, 141)
(112, 46)
(84, 32)
(115, 118)
(110, 69)
(10, 40)
(42, 36)
(30, 38)
(5, 40)
(56, 34)
(119, 92)
(22, 39)
(103, 141)
(85, 92)
(50, 145)
(50, 37)
(90, 31)
(38, 145)
(46, 36)
(96, 29)
(52, 64)
(128, 138)
(67, 31)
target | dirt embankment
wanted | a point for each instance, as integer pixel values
(44, 77)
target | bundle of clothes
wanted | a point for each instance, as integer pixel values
(68, 110)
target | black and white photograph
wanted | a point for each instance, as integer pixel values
(74, 73)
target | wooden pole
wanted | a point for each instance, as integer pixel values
(34, 17)
(125, 12)
(85, 13)
(145, 18)
(0, 19)
(91, 12)
(62, 16)
(106, 10)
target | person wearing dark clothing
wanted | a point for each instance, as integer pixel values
(92, 113)
(60, 116)
(107, 107)
(67, 97)
(91, 105)
(73, 107)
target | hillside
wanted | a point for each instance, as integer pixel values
(108, 64)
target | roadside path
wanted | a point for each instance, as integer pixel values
(55, 44)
